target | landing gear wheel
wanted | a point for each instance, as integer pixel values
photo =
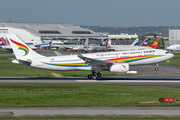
(89, 76)
(156, 68)
(99, 74)
(94, 77)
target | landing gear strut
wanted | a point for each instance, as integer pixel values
(156, 67)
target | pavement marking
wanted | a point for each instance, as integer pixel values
(6, 113)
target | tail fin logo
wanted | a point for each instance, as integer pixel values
(21, 47)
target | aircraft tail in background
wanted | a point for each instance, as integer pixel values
(87, 41)
(144, 43)
(104, 42)
(135, 43)
(2, 42)
(20, 49)
(155, 44)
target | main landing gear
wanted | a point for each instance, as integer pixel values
(94, 75)
(156, 67)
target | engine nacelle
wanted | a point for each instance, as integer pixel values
(122, 67)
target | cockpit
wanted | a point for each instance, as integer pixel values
(167, 52)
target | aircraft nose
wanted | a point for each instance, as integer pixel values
(168, 47)
(171, 55)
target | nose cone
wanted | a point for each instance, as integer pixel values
(171, 55)
(169, 47)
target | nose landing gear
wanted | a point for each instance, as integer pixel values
(156, 67)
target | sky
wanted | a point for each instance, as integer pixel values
(104, 13)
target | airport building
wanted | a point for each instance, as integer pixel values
(174, 37)
(43, 32)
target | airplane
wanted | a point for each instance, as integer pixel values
(174, 47)
(102, 46)
(130, 47)
(45, 44)
(118, 61)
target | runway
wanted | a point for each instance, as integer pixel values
(90, 112)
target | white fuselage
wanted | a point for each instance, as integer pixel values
(73, 62)
(90, 48)
(174, 47)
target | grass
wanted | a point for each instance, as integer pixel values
(174, 61)
(5, 52)
(83, 95)
(7, 68)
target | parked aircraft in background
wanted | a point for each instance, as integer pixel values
(43, 45)
(129, 47)
(115, 61)
(102, 46)
(174, 47)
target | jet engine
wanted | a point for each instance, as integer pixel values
(121, 67)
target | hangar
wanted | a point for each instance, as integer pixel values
(43, 32)
(174, 36)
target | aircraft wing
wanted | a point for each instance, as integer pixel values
(93, 62)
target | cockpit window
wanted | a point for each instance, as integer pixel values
(167, 52)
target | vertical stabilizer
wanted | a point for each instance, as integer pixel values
(144, 43)
(2, 42)
(87, 41)
(20, 49)
(103, 42)
(135, 43)
(155, 44)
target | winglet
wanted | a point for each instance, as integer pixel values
(79, 54)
